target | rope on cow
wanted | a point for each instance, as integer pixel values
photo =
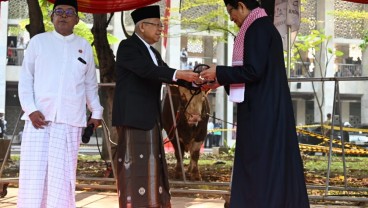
(219, 119)
(177, 116)
(201, 81)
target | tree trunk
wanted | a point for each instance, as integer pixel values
(106, 65)
(36, 25)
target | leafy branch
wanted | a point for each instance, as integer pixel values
(317, 42)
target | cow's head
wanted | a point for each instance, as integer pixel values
(193, 111)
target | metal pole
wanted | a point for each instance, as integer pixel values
(176, 131)
(9, 147)
(288, 50)
(341, 132)
(108, 143)
(331, 138)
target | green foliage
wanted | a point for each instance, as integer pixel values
(15, 157)
(318, 41)
(318, 164)
(85, 157)
(352, 15)
(303, 19)
(14, 31)
(364, 45)
(231, 150)
(214, 20)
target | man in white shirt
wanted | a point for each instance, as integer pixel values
(57, 80)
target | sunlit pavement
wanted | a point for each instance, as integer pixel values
(89, 199)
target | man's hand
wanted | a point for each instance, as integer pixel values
(187, 75)
(96, 123)
(38, 119)
(210, 86)
(209, 74)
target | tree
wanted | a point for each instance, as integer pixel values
(214, 20)
(106, 65)
(36, 25)
(318, 42)
(364, 45)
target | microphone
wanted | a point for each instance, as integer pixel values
(88, 131)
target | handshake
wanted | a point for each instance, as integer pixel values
(203, 76)
(200, 68)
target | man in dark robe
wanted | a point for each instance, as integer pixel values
(268, 170)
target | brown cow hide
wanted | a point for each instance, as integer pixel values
(191, 122)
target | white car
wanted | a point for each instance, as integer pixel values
(358, 139)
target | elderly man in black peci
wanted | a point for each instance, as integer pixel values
(140, 71)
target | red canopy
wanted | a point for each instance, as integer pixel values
(358, 1)
(108, 6)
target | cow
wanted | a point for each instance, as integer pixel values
(192, 113)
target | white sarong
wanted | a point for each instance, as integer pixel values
(48, 163)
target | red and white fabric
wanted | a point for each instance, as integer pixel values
(237, 90)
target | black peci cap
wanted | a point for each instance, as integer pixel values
(145, 12)
(72, 3)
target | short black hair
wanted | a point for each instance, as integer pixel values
(250, 4)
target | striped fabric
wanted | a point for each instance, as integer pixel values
(237, 90)
(48, 166)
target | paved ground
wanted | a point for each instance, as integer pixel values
(89, 199)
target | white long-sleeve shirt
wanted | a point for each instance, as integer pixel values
(55, 81)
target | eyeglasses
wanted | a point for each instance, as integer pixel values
(68, 12)
(158, 25)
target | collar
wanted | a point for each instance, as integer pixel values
(145, 43)
(62, 37)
